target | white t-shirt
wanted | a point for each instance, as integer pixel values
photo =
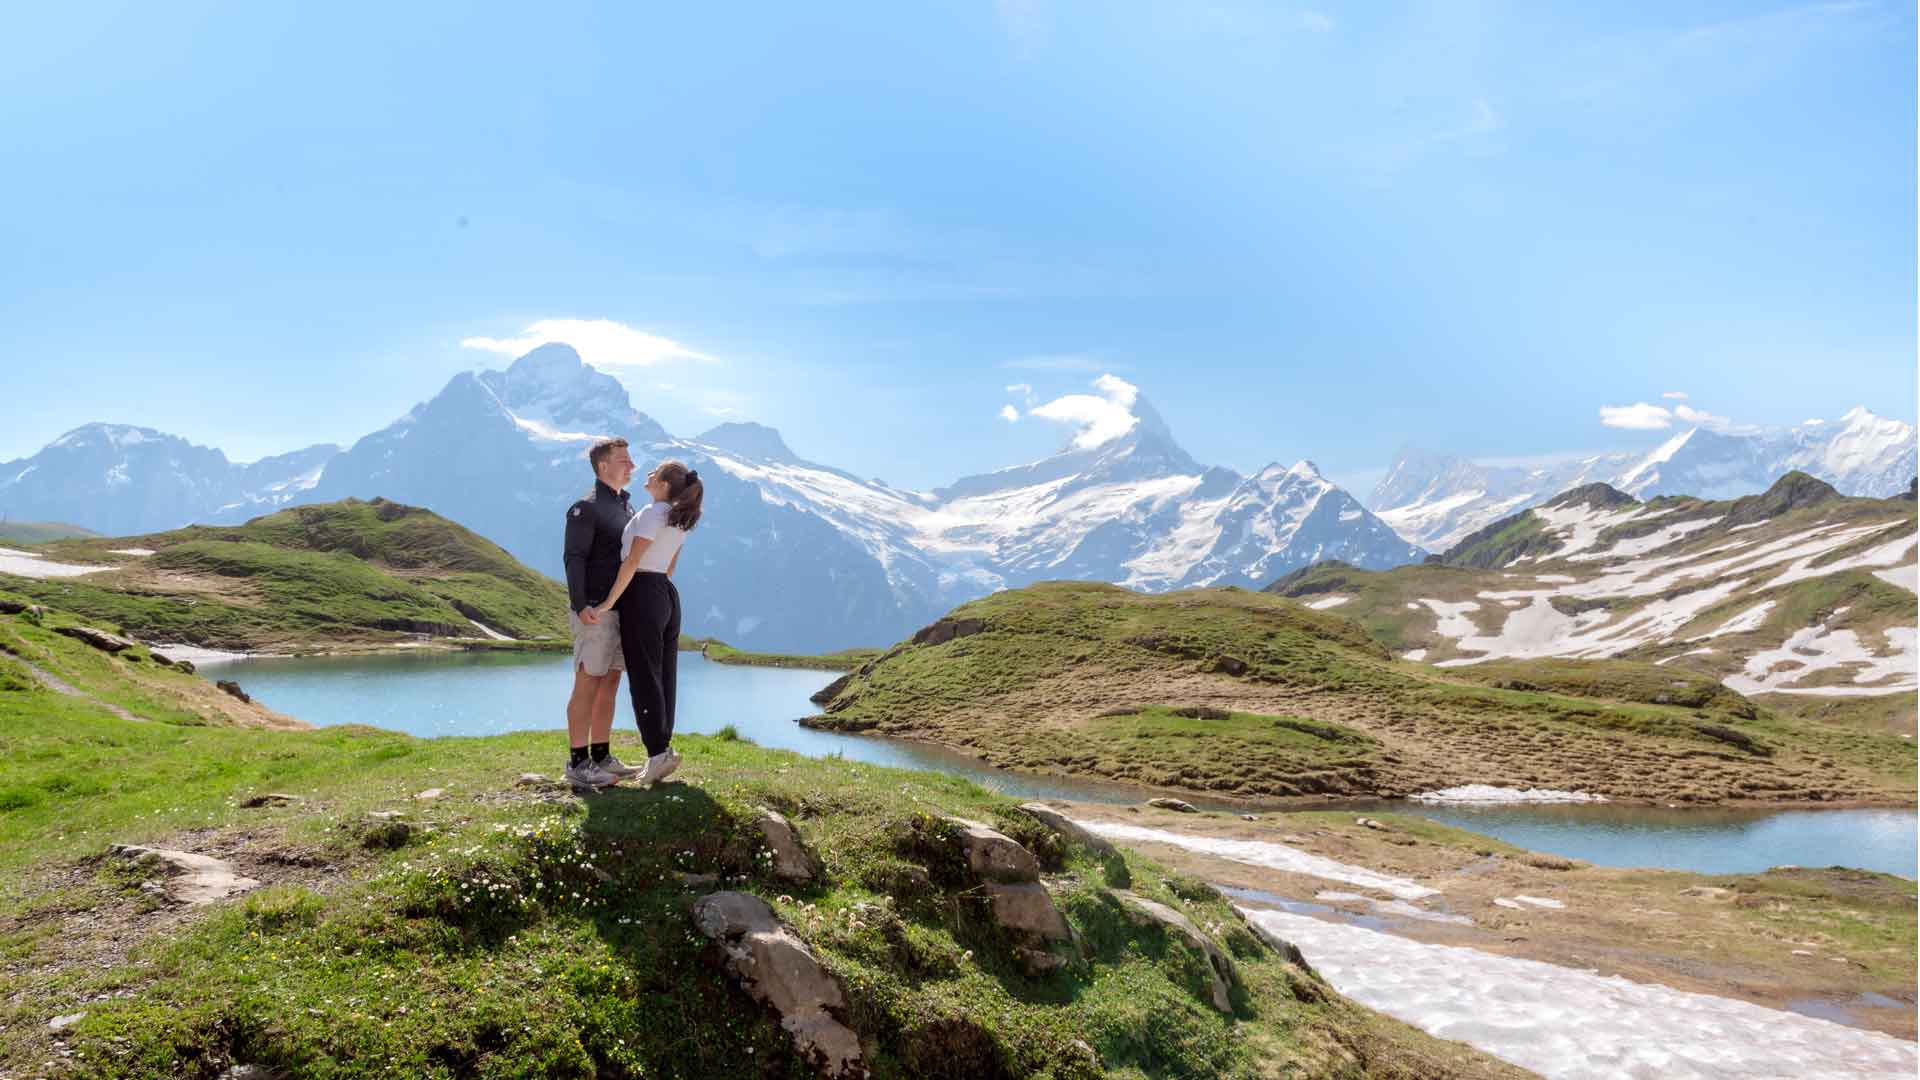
(651, 524)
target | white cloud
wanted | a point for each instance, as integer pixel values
(1010, 414)
(600, 342)
(1099, 419)
(1675, 395)
(1699, 416)
(1023, 389)
(1639, 416)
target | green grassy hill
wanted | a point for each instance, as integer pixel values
(349, 573)
(504, 928)
(1252, 696)
(39, 532)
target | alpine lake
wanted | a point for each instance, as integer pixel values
(439, 694)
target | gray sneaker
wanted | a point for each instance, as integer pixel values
(587, 774)
(673, 762)
(615, 767)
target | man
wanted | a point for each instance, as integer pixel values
(594, 525)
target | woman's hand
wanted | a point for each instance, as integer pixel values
(600, 611)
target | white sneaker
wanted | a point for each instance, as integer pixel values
(614, 766)
(658, 767)
(587, 774)
(673, 762)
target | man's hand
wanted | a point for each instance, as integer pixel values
(590, 615)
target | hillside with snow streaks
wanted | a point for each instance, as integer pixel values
(1436, 501)
(1799, 590)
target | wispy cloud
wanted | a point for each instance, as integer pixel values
(600, 342)
(1097, 418)
(1010, 414)
(1058, 362)
(1639, 416)
(1675, 395)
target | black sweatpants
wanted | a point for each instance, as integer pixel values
(650, 643)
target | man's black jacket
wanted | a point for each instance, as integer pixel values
(594, 525)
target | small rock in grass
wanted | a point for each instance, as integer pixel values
(430, 794)
(1249, 817)
(271, 798)
(1803, 952)
(63, 1022)
(699, 881)
(1707, 892)
(1027, 908)
(386, 815)
(1180, 805)
(993, 855)
(531, 779)
(791, 860)
(1369, 823)
(1067, 827)
(252, 1072)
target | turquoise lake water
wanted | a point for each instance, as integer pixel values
(439, 694)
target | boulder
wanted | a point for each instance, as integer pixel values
(1180, 805)
(993, 855)
(188, 878)
(430, 794)
(532, 779)
(65, 1021)
(777, 969)
(792, 862)
(1038, 962)
(1025, 909)
(1229, 665)
(233, 688)
(1369, 823)
(1144, 912)
(1068, 828)
(99, 639)
(947, 630)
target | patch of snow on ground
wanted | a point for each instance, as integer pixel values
(1556, 579)
(1270, 855)
(1653, 541)
(1818, 648)
(1579, 527)
(489, 631)
(1487, 793)
(1750, 619)
(197, 655)
(29, 564)
(1907, 577)
(1690, 652)
(1541, 902)
(1564, 1023)
(1888, 554)
(1327, 602)
(130, 551)
(1453, 618)
(1414, 654)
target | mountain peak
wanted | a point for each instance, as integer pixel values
(749, 440)
(1790, 492)
(551, 359)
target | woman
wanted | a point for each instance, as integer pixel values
(650, 616)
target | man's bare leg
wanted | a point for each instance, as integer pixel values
(580, 706)
(606, 696)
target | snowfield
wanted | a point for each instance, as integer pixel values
(29, 564)
(1568, 1024)
(1270, 855)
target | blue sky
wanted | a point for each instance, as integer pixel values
(1312, 231)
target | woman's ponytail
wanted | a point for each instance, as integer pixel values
(684, 492)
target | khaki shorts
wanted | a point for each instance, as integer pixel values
(597, 647)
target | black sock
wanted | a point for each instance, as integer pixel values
(601, 751)
(577, 756)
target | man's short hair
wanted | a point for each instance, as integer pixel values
(602, 450)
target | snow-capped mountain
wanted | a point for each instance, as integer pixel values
(1436, 501)
(797, 556)
(124, 479)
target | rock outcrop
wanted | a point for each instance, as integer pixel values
(99, 639)
(1145, 912)
(792, 862)
(1068, 829)
(187, 878)
(777, 969)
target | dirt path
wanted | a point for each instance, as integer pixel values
(1834, 943)
(54, 683)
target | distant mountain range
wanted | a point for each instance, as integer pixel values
(1436, 501)
(793, 555)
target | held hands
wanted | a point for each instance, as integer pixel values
(590, 615)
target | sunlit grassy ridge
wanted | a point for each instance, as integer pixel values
(332, 574)
(1090, 679)
(508, 930)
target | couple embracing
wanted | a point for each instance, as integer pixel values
(625, 611)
